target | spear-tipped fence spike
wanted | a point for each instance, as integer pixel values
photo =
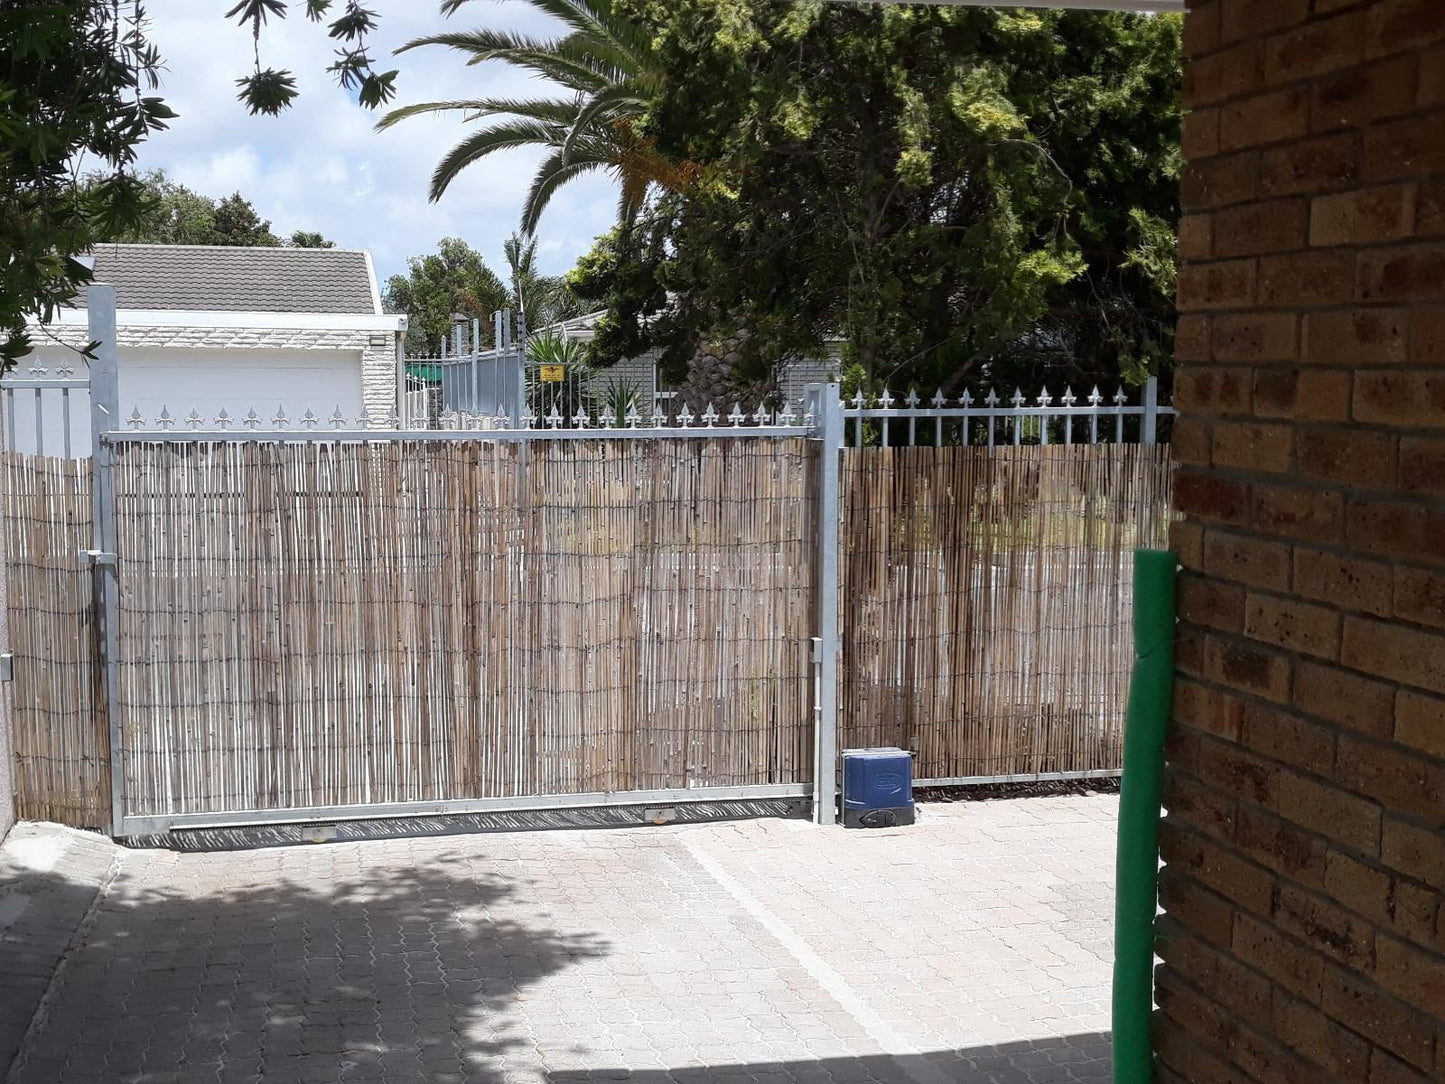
(338, 419)
(938, 400)
(309, 419)
(194, 419)
(886, 400)
(364, 421)
(135, 421)
(252, 419)
(164, 419)
(1018, 397)
(632, 417)
(393, 420)
(659, 419)
(912, 399)
(736, 418)
(761, 416)
(991, 399)
(684, 416)
(785, 417)
(1094, 397)
(966, 398)
(280, 421)
(860, 400)
(1120, 397)
(709, 416)
(223, 419)
(1044, 397)
(1068, 398)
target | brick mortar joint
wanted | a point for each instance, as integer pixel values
(1278, 766)
(1275, 989)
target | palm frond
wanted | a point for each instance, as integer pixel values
(499, 137)
(571, 67)
(615, 103)
(555, 171)
(549, 110)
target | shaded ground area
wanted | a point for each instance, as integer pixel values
(973, 947)
(49, 879)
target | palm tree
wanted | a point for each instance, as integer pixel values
(612, 72)
(542, 299)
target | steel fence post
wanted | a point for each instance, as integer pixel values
(828, 431)
(104, 417)
(1150, 434)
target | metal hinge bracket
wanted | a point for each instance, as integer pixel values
(99, 557)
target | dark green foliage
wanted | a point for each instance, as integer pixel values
(962, 194)
(307, 239)
(452, 280)
(174, 215)
(73, 82)
(269, 90)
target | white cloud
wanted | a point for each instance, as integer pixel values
(321, 166)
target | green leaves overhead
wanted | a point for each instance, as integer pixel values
(73, 82)
(268, 91)
(958, 193)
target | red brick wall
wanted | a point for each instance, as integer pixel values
(1304, 939)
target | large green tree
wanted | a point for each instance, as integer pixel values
(73, 83)
(75, 77)
(454, 280)
(172, 214)
(961, 194)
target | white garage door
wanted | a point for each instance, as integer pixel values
(238, 380)
(184, 380)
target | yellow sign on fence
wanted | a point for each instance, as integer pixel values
(552, 374)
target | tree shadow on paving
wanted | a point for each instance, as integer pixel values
(396, 970)
(1066, 1059)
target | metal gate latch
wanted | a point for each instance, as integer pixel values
(99, 557)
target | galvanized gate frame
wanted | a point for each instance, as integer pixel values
(822, 424)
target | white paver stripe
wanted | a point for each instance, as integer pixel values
(821, 971)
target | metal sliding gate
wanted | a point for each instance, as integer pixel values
(351, 622)
(342, 621)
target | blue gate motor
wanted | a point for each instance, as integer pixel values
(877, 788)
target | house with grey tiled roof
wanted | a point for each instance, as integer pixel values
(206, 327)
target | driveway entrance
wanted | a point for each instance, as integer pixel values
(973, 947)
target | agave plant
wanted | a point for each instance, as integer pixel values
(609, 68)
(619, 399)
(565, 396)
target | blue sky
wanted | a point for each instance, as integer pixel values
(321, 166)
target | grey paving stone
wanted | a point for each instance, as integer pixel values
(973, 947)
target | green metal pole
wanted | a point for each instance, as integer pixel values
(1140, 798)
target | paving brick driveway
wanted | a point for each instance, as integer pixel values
(973, 947)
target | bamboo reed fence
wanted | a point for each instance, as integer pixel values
(316, 623)
(987, 602)
(61, 745)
